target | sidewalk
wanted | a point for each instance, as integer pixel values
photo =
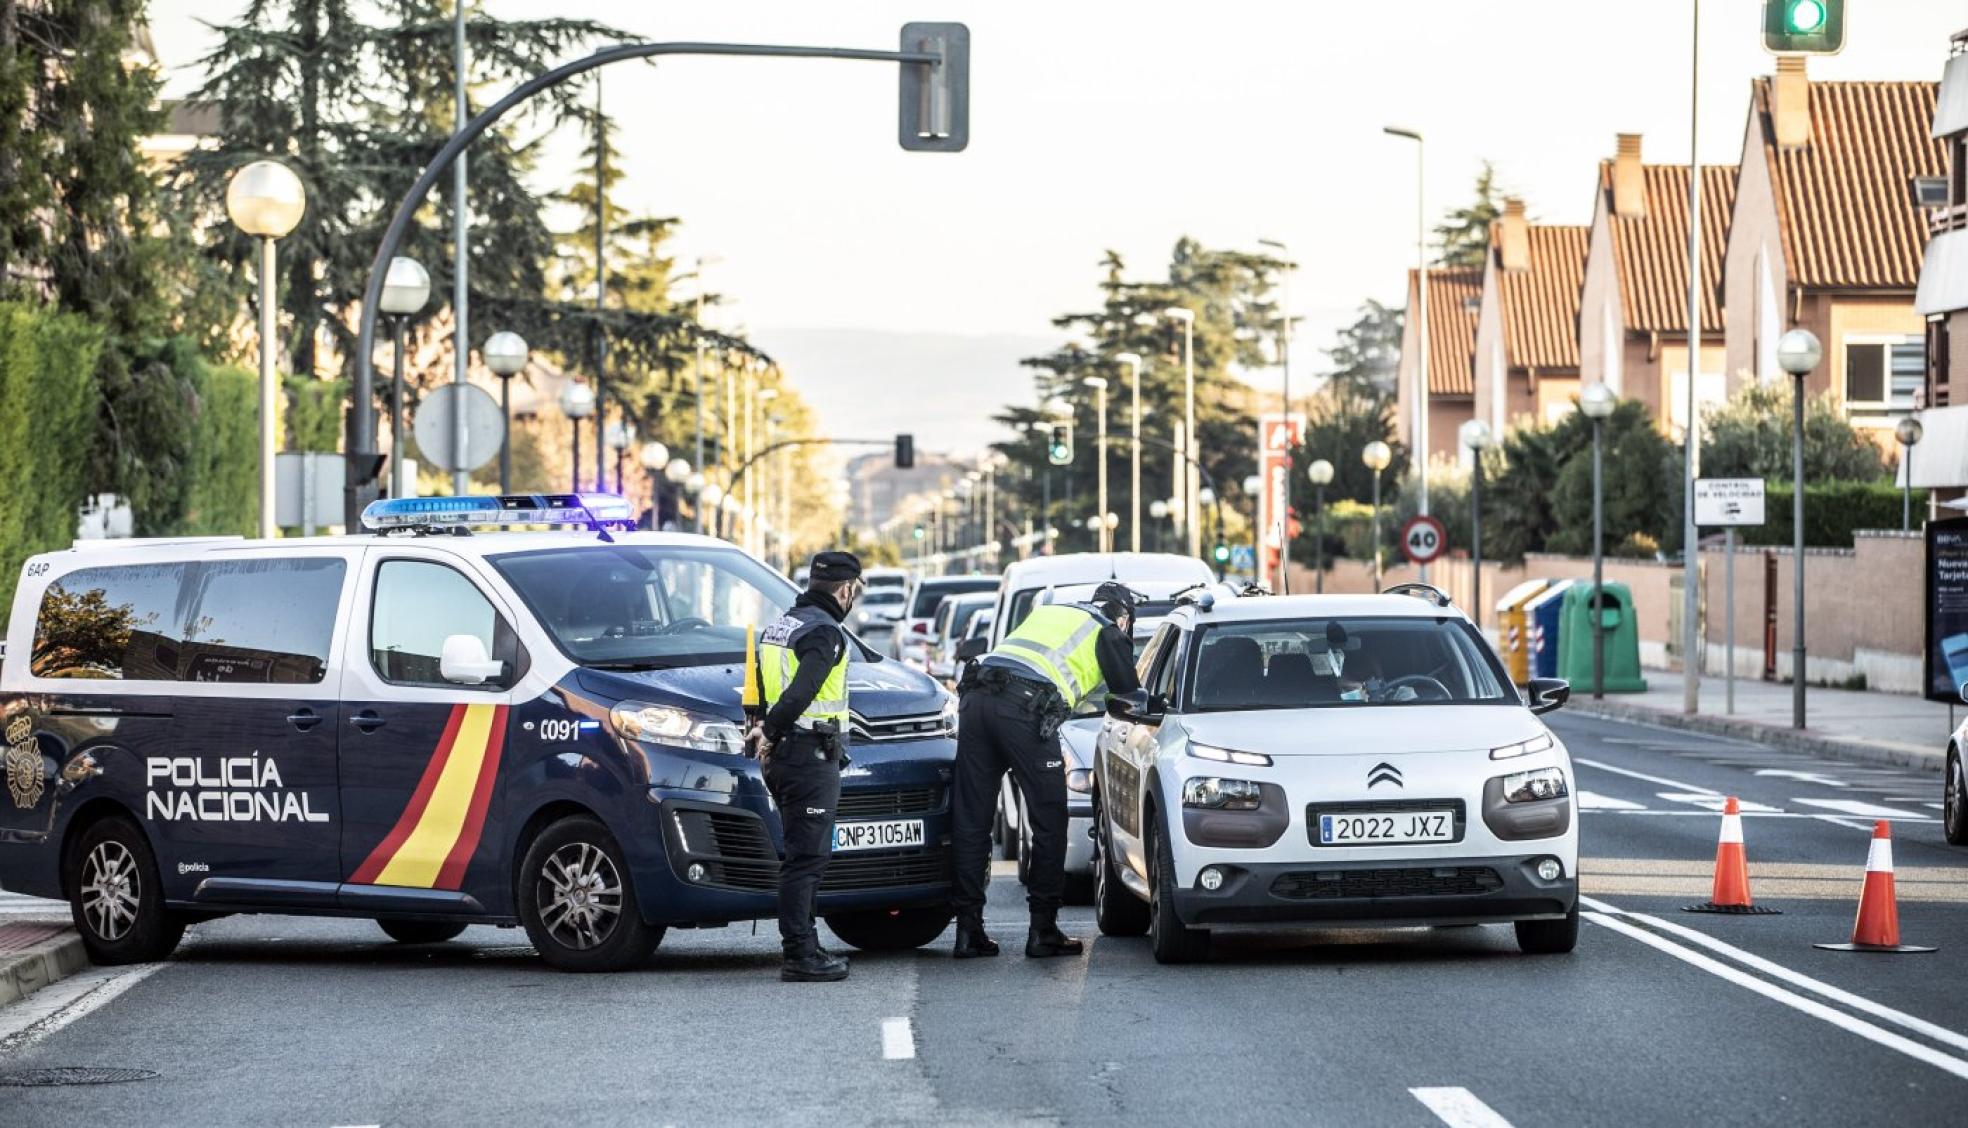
(35, 953)
(1892, 728)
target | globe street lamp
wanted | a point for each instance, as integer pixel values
(405, 289)
(1597, 401)
(1321, 473)
(1798, 352)
(1376, 455)
(266, 200)
(1133, 361)
(1908, 431)
(577, 402)
(1099, 384)
(1159, 510)
(1475, 435)
(505, 353)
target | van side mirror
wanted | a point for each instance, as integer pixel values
(1547, 694)
(464, 661)
(1139, 707)
(973, 648)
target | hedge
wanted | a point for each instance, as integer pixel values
(222, 468)
(49, 399)
(1832, 511)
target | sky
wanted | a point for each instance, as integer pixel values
(1126, 124)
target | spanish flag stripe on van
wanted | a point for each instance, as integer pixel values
(446, 814)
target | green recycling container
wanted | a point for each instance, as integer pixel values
(1622, 639)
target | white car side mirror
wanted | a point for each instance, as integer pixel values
(465, 661)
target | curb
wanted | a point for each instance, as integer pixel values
(24, 972)
(1849, 748)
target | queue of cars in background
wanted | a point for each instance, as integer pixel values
(948, 629)
(1325, 761)
(1156, 577)
(911, 640)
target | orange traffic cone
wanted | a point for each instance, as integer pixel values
(1731, 894)
(1878, 927)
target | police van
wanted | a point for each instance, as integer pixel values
(434, 726)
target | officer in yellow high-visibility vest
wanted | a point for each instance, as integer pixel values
(1013, 702)
(802, 672)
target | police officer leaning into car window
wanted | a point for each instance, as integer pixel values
(1014, 699)
(802, 668)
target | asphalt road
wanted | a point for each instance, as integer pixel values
(1660, 1017)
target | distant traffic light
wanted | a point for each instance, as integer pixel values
(1221, 552)
(1059, 451)
(918, 532)
(905, 453)
(1804, 27)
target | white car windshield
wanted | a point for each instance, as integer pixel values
(1342, 663)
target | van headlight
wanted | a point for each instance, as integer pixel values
(1213, 794)
(1539, 743)
(1528, 787)
(667, 724)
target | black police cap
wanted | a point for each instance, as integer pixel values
(1115, 592)
(834, 567)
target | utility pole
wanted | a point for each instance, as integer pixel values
(461, 276)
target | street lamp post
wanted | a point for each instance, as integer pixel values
(1376, 455)
(1159, 510)
(1284, 367)
(1099, 385)
(577, 402)
(266, 200)
(505, 354)
(620, 435)
(1476, 436)
(1421, 315)
(655, 457)
(405, 289)
(1597, 401)
(1909, 432)
(1798, 352)
(1321, 473)
(1191, 499)
(1252, 484)
(1133, 361)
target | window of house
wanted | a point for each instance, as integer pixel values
(1884, 372)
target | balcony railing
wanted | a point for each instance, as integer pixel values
(1952, 218)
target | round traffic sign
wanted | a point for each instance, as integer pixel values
(436, 427)
(1423, 539)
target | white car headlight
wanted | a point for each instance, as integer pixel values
(1538, 743)
(1216, 794)
(1226, 756)
(667, 724)
(1539, 783)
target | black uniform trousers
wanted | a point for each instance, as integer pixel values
(803, 775)
(1003, 728)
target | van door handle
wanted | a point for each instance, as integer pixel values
(304, 718)
(368, 720)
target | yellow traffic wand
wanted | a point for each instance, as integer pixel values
(748, 694)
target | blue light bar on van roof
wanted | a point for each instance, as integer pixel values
(593, 510)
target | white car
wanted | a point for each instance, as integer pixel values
(1329, 761)
(911, 639)
(1954, 791)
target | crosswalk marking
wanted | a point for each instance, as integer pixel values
(1458, 1107)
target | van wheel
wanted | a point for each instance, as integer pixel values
(578, 903)
(1173, 941)
(1954, 800)
(1549, 937)
(890, 930)
(420, 931)
(1116, 909)
(116, 898)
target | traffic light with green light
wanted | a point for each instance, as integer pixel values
(1804, 27)
(917, 532)
(1059, 451)
(1221, 552)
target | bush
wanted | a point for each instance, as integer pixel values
(1832, 511)
(221, 476)
(48, 404)
(1751, 436)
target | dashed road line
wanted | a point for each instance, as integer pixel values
(1644, 777)
(1623, 924)
(1458, 1107)
(898, 1040)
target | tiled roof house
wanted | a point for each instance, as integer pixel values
(1455, 296)
(1527, 356)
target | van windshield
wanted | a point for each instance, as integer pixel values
(626, 606)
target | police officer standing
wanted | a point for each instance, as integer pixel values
(1013, 702)
(802, 668)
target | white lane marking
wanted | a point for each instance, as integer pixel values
(1458, 1107)
(1802, 777)
(1849, 824)
(1795, 978)
(898, 1041)
(1871, 1033)
(1710, 801)
(58, 1004)
(1859, 810)
(1593, 801)
(1662, 780)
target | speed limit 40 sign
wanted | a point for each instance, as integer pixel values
(1423, 539)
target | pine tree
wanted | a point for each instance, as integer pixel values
(1463, 236)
